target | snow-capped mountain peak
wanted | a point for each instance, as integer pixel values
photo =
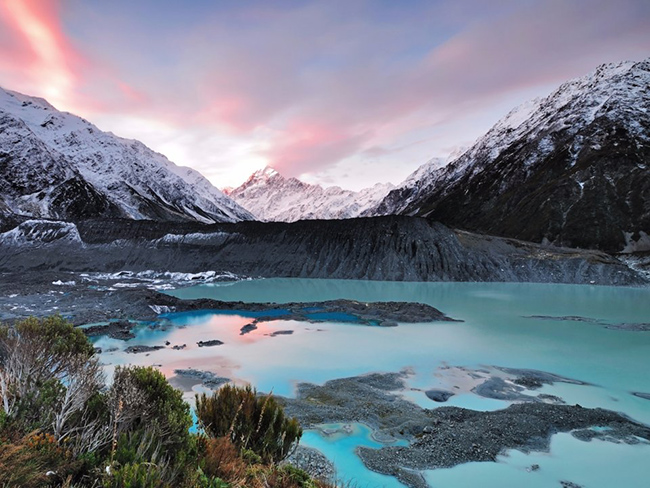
(269, 196)
(266, 172)
(59, 165)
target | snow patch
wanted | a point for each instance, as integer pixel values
(159, 279)
(160, 309)
(41, 232)
(194, 238)
(64, 283)
(639, 245)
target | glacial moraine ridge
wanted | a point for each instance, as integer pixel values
(392, 248)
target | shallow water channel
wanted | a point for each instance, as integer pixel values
(561, 329)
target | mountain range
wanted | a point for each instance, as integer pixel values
(570, 169)
(269, 196)
(56, 165)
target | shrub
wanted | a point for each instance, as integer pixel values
(151, 420)
(25, 462)
(249, 421)
(220, 459)
(137, 475)
(47, 375)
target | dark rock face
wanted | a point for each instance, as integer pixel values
(586, 200)
(76, 198)
(28, 168)
(571, 169)
(380, 248)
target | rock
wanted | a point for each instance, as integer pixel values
(550, 398)
(631, 327)
(247, 328)
(213, 342)
(645, 396)
(281, 332)
(140, 349)
(529, 382)
(570, 484)
(533, 376)
(382, 248)
(179, 347)
(574, 164)
(371, 399)
(118, 329)
(439, 395)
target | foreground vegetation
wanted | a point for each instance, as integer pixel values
(61, 425)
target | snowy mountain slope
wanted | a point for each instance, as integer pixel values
(271, 197)
(571, 169)
(408, 190)
(56, 165)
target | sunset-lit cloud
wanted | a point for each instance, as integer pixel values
(340, 91)
(41, 57)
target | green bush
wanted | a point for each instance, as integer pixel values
(40, 361)
(204, 481)
(24, 463)
(137, 475)
(151, 420)
(251, 422)
(297, 476)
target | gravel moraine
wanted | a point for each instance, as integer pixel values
(456, 435)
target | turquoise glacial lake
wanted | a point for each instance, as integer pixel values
(501, 328)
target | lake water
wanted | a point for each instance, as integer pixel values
(497, 332)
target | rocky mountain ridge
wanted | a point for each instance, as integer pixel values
(570, 169)
(56, 165)
(379, 248)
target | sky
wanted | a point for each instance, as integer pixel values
(336, 92)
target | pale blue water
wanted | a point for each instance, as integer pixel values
(340, 449)
(588, 464)
(495, 332)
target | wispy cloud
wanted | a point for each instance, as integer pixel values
(315, 88)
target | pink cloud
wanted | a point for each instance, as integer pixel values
(39, 58)
(41, 55)
(311, 146)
